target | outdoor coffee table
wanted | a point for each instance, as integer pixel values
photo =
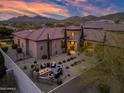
(44, 72)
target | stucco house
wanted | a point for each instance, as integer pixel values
(101, 32)
(69, 39)
(35, 42)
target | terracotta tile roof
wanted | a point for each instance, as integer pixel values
(41, 34)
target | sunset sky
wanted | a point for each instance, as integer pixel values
(58, 9)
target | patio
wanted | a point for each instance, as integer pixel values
(71, 65)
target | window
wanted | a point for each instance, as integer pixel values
(72, 34)
(72, 42)
(41, 48)
(62, 43)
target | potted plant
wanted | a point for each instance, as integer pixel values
(19, 50)
(5, 49)
(59, 81)
(44, 57)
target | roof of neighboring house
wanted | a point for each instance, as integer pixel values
(94, 35)
(98, 35)
(104, 25)
(41, 34)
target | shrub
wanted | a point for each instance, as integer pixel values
(68, 59)
(5, 49)
(14, 46)
(64, 61)
(1, 59)
(68, 75)
(2, 71)
(69, 53)
(72, 65)
(59, 81)
(104, 88)
(44, 57)
(25, 67)
(19, 50)
(67, 67)
(32, 66)
(75, 63)
(60, 63)
(2, 67)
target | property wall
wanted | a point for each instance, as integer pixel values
(24, 82)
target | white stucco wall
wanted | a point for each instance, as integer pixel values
(53, 49)
(24, 82)
(43, 51)
(56, 47)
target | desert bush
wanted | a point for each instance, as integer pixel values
(44, 57)
(59, 81)
(14, 46)
(5, 49)
(2, 67)
(19, 50)
(104, 88)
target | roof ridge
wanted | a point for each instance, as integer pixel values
(40, 34)
(29, 34)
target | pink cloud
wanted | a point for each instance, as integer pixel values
(32, 8)
(90, 9)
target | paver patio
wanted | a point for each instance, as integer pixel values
(86, 63)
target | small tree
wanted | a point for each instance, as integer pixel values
(19, 50)
(2, 67)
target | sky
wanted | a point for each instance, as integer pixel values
(58, 9)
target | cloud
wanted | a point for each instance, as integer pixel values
(90, 9)
(32, 8)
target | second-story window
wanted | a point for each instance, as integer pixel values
(72, 34)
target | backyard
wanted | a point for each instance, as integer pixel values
(70, 65)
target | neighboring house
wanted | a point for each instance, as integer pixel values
(34, 42)
(109, 34)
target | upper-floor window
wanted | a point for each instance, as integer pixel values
(72, 34)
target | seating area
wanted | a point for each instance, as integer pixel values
(50, 71)
(46, 71)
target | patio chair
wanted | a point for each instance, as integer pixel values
(41, 66)
(48, 64)
(53, 65)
